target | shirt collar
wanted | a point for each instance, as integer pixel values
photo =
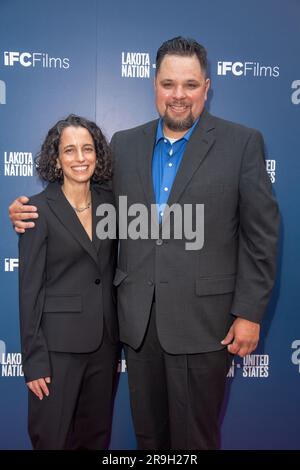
(160, 133)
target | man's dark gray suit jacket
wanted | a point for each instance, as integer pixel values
(198, 293)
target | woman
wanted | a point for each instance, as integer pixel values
(67, 311)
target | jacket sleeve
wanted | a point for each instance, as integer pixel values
(258, 234)
(32, 275)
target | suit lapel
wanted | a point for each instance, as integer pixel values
(96, 201)
(68, 218)
(145, 148)
(200, 142)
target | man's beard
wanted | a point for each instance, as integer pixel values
(178, 124)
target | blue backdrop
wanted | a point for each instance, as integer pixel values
(96, 59)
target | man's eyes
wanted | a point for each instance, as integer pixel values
(189, 86)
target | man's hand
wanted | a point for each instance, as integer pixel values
(18, 212)
(242, 337)
(39, 386)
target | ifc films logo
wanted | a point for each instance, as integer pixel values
(247, 69)
(35, 59)
(2, 92)
(11, 264)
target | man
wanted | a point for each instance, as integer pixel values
(183, 313)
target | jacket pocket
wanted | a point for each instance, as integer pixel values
(215, 285)
(56, 304)
(119, 277)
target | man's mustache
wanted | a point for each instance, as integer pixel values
(179, 103)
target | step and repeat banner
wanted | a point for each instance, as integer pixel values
(96, 59)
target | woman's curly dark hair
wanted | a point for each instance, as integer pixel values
(46, 159)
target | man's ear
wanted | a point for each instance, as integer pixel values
(207, 87)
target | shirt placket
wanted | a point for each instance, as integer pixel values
(168, 176)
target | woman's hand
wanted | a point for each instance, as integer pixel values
(39, 386)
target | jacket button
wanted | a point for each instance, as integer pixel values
(150, 282)
(97, 281)
(159, 242)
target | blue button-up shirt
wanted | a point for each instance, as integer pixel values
(165, 163)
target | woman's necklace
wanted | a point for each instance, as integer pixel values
(81, 209)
